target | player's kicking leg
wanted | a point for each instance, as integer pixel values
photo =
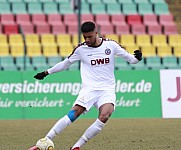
(105, 112)
(73, 114)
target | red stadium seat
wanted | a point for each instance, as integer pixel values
(23, 19)
(42, 29)
(117, 19)
(87, 17)
(54, 19)
(39, 19)
(134, 19)
(27, 28)
(170, 29)
(166, 19)
(1, 29)
(122, 29)
(70, 19)
(102, 19)
(58, 29)
(7, 19)
(11, 29)
(138, 29)
(150, 19)
(106, 29)
(154, 29)
(72, 29)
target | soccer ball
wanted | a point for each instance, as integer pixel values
(45, 144)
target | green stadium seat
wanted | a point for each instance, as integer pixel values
(141, 1)
(110, 1)
(113, 8)
(170, 62)
(20, 61)
(125, 1)
(154, 63)
(85, 8)
(15, 1)
(94, 1)
(53, 60)
(31, 1)
(62, 1)
(50, 8)
(128, 9)
(45, 1)
(35, 8)
(98, 8)
(39, 62)
(140, 66)
(144, 9)
(5, 8)
(157, 1)
(19, 8)
(121, 64)
(65, 9)
(161, 9)
(7, 63)
(3, 1)
(74, 66)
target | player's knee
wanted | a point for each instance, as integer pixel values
(104, 117)
(72, 116)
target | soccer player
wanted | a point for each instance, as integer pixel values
(98, 81)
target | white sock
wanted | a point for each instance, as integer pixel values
(92, 131)
(58, 127)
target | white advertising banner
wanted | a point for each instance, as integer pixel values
(171, 93)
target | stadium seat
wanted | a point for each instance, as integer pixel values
(141, 1)
(170, 62)
(134, 19)
(50, 8)
(58, 29)
(11, 29)
(143, 40)
(164, 51)
(3, 39)
(113, 8)
(106, 29)
(99, 8)
(102, 19)
(17, 50)
(47, 39)
(19, 8)
(4, 49)
(33, 50)
(154, 29)
(16, 39)
(65, 8)
(87, 17)
(27, 28)
(32, 39)
(177, 51)
(39, 19)
(109, 2)
(157, 1)
(50, 50)
(125, 1)
(72, 29)
(1, 29)
(128, 40)
(121, 64)
(7, 19)
(161, 8)
(43, 29)
(39, 62)
(159, 40)
(31, 1)
(34, 8)
(114, 37)
(74, 66)
(5, 8)
(70, 19)
(24, 63)
(131, 48)
(138, 29)
(52, 60)
(22, 19)
(85, 8)
(54, 19)
(170, 29)
(154, 63)
(150, 19)
(7, 63)
(174, 40)
(166, 19)
(148, 51)
(140, 66)
(122, 29)
(63, 38)
(117, 19)
(62, 1)
(145, 8)
(75, 40)
(129, 9)
(65, 49)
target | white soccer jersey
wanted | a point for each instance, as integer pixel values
(97, 64)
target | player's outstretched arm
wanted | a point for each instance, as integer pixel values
(41, 75)
(138, 54)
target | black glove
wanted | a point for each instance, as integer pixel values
(41, 75)
(138, 54)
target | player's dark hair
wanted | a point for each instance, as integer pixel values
(88, 26)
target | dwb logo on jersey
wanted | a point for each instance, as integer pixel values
(100, 61)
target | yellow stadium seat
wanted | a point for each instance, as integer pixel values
(32, 39)
(3, 38)
(174, 40)
(131, 49)
(47, 39)
(17, 50)
(50, 50)
(75, 40)
(114, 37)
(33, 50)
(4, 49)
(164, 51)
(143, 40)
(148, 51)
(159, 40)
(16, 39)
(63, 39)
(177, 51)
(66, 50)
(127, 40)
